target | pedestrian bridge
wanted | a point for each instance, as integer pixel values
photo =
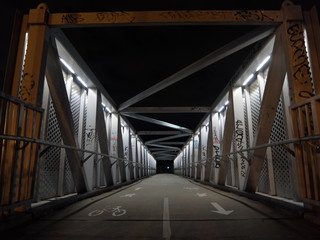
(248, 168)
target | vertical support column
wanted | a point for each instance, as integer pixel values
(198, 165)
(240, 136)
(227, 140)
(122, 167)
(185, 154)
(18, 172)
(64, 116)
(204, 156)
(192, 152)
(208, 162)
(216, 146)
(130, 149)
(92, 122)
(102, 137)
(114, 147)
(137, 166)
(141, 160)
(305, 116)
(268, 111)
(189, 160)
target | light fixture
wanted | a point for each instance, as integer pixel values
(220, 110)
(226, 103)
(263, 63)
(247, 80)
(82, 82)
(109, 111)
(67, 66)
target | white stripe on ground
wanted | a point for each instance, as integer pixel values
(166, 220)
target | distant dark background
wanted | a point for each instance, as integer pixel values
(165, 166)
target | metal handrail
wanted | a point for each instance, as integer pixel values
(47, 143)
(288, 141)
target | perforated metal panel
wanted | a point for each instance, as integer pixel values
(255, 101)
(264, 185)
(246, 124)
(75, 99)
(49, 171)
(84, 124)
(280, 157)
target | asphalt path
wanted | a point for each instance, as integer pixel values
(166, 206)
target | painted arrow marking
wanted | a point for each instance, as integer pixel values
(202, 194)
(129, 195)
(220, 209)
(138, 188)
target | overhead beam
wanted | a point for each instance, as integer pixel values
(172, 143)
(163, 152)
(158, 132)
(167, 110)
(209, 59)
(95, 19)
(168, 138)
(156, 121)
(163, 146)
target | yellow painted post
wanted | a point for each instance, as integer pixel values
(19, 164)
(301, 88)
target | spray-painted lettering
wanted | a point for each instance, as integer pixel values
(255, 15)
(113, 17)
(72, 18)
(300, 63)
(239, 135)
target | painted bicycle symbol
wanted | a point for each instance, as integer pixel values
(116, 211)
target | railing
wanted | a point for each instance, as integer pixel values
(13, 144)
(306, 122)
(18, 159)
(309, 146)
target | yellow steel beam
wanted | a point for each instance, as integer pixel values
(18, 166)
(165, 17)
(302, 89)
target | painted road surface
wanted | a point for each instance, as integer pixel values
(167, 206)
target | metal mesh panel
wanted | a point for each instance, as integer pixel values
(51, 159)
(255, 102)
(68, 184)
(264, 185)
(75, 99)
(281, 161)
(84, 124)
(246, 125)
